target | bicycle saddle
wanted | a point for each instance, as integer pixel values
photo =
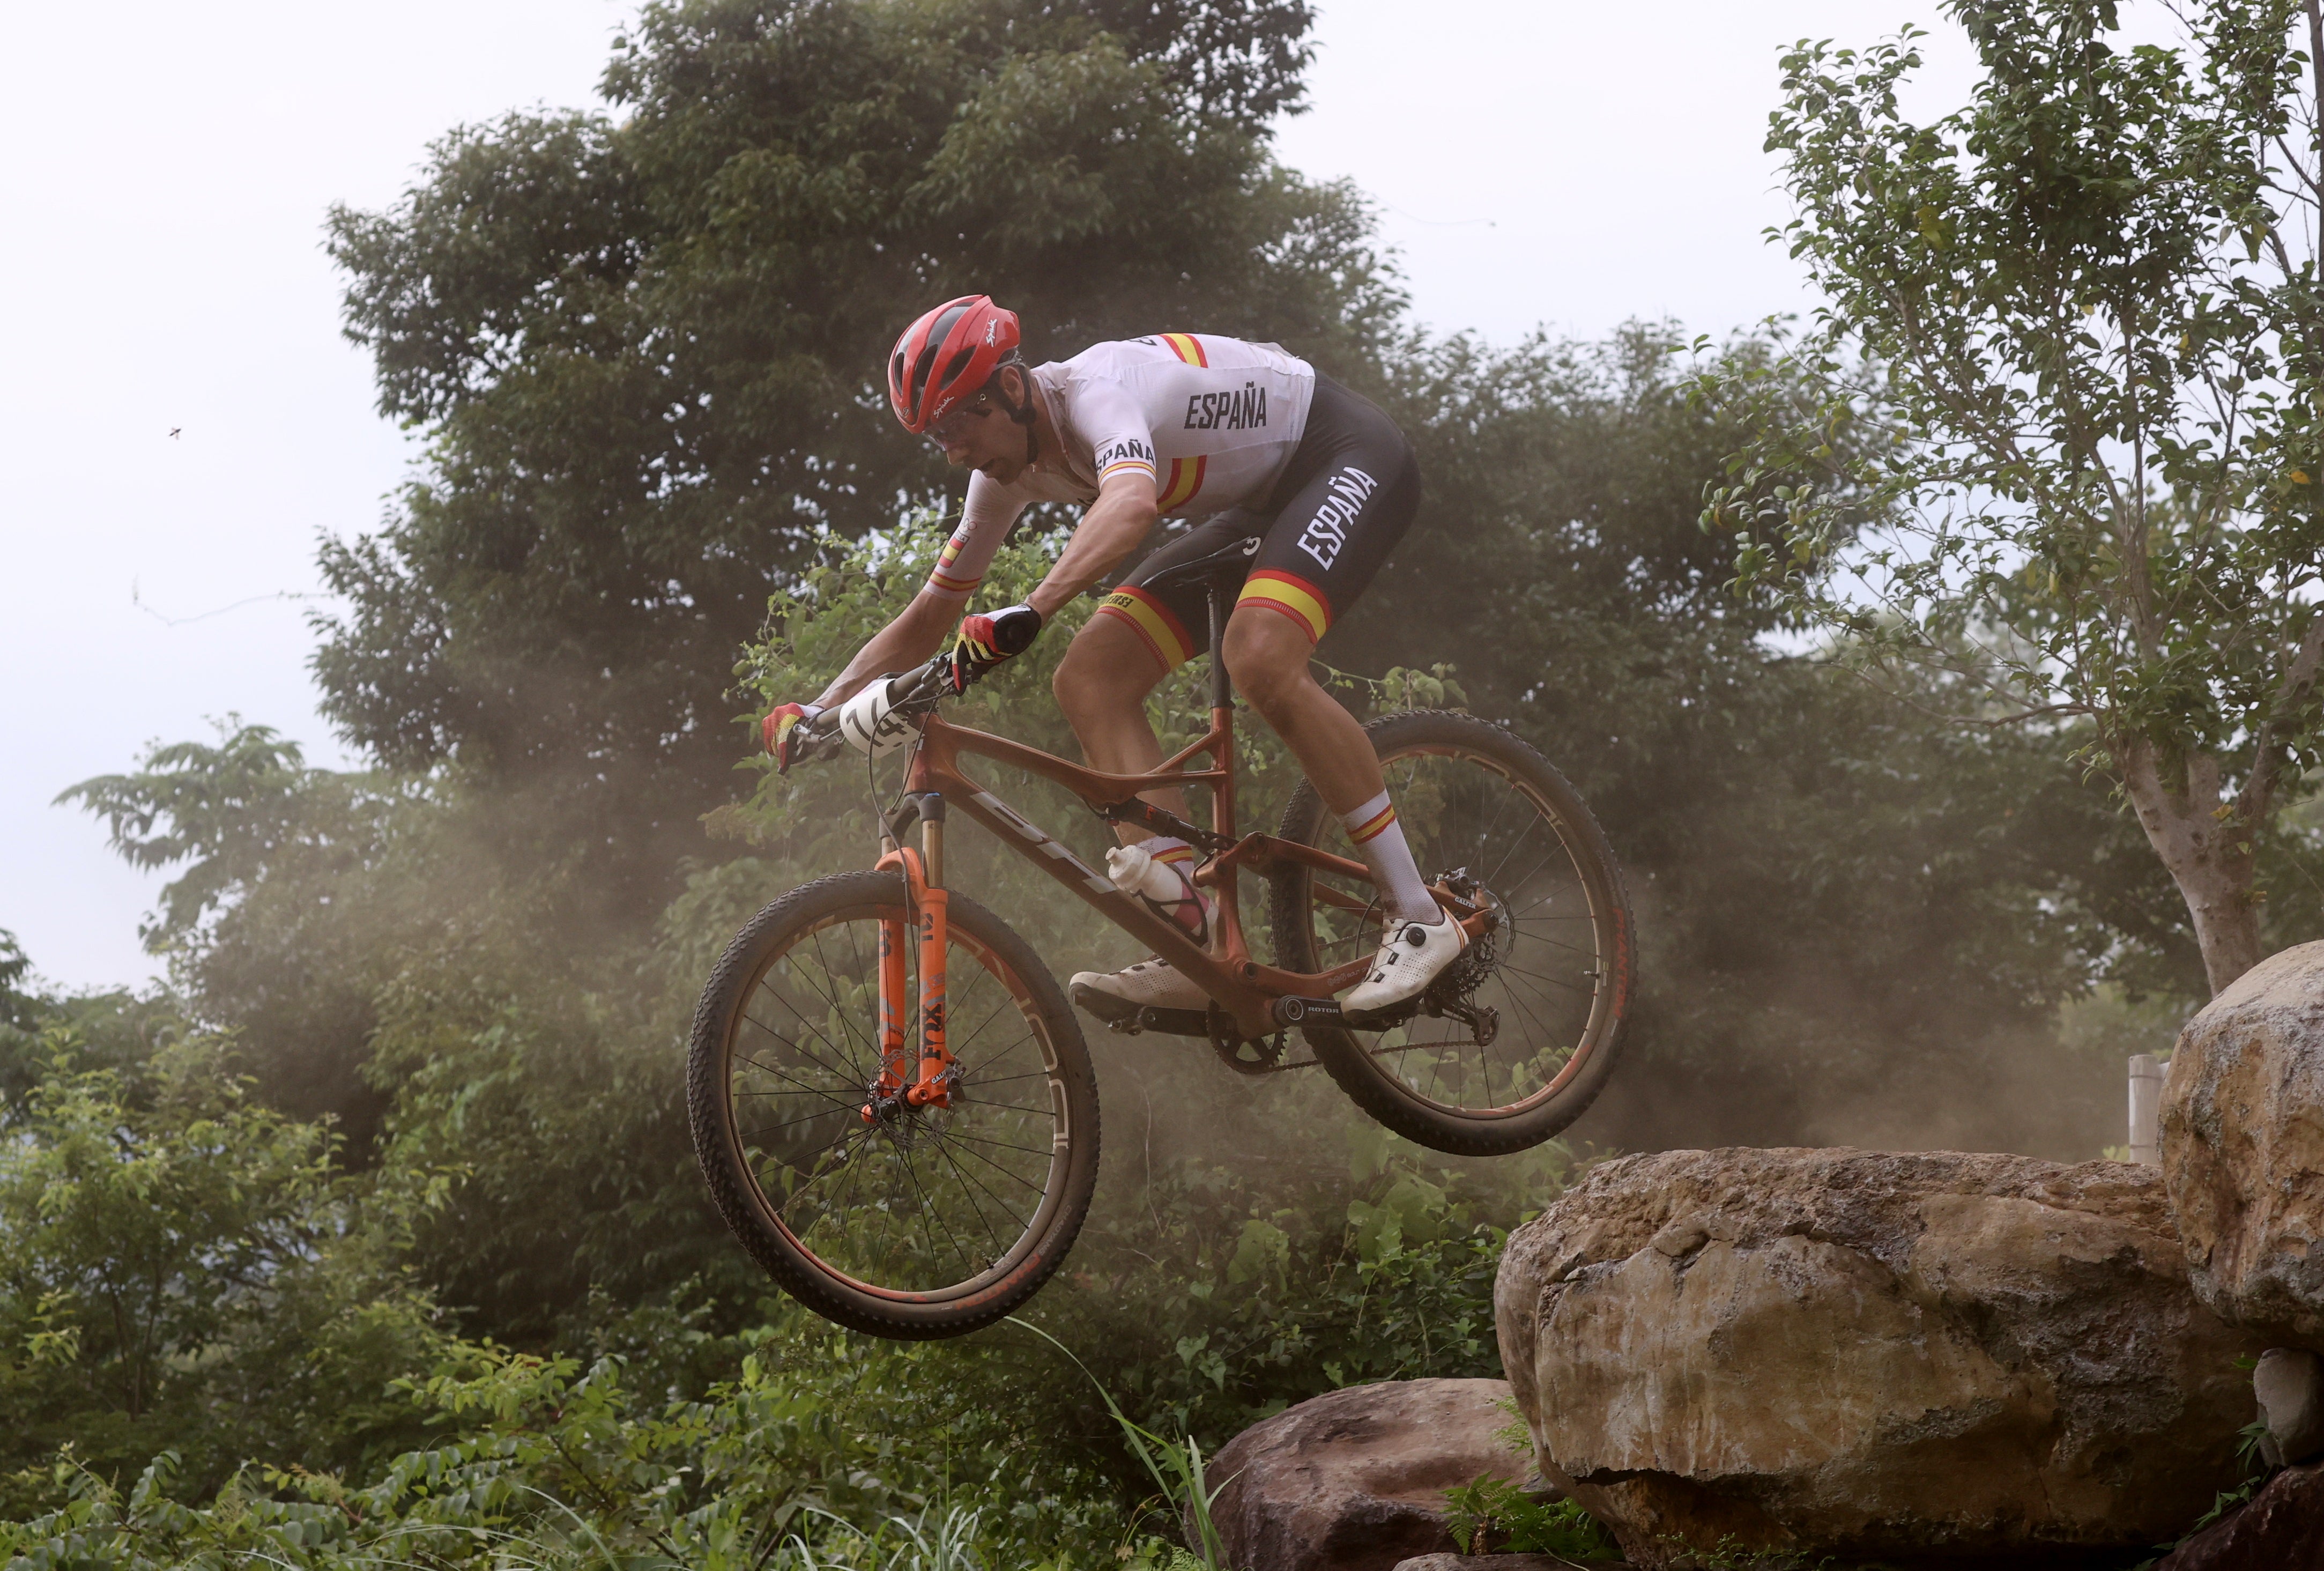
(1234, 559)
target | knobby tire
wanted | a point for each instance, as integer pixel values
(739, 1188)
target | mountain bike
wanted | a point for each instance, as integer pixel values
(890, 1097)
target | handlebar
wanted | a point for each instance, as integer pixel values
(914, 692)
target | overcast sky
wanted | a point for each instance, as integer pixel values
(180, 420)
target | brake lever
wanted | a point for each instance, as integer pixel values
(930, 684)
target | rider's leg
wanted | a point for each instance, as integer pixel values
(1101, 686)
(1349, 493)
(1267, 656)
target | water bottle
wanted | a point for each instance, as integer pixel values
(1160, 885)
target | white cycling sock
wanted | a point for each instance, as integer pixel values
(1379, 841)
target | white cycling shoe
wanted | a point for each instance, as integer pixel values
(1150, 995)
(1415, 955)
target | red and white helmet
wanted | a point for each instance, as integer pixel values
(947, 356)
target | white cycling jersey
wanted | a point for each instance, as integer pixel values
(1211, 421)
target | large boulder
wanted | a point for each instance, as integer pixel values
(1920, 1357)
(1355, 1480)
(2281, 1530)
(2242, 1147)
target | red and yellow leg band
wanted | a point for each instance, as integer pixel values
(1296, 597)
(1372, 827)
(1152, 621)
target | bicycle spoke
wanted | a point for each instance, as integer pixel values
(837, 1098)
(968, 1177)
(779, 1036)
(1005, 1172)
(1002, 1144)
(963, 1179)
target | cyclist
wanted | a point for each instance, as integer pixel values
(1136, 430)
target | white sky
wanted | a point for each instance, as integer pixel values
(1539, 163)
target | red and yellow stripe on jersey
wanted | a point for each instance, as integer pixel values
(1185, 480)
(1372, 827)
(1294, 596)
(1186, 474)
(1152, 620)
(943, 578)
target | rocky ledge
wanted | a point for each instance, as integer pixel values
(1929, 1359)
(1355, 1480)
(2242, 1147)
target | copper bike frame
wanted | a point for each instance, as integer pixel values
(1245, 989)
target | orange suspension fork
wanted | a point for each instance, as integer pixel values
(925, 896)
(895, 997)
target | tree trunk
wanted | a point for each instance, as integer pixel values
(2206, 848)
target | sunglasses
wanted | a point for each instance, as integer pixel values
(951, 429)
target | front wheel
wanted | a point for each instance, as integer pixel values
(899, 1221)
(1517, 1039)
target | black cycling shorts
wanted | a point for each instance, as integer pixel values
(1345, 499)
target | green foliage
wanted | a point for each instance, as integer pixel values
(264, 920)
(1176, 1466)
(186, 1274)
(2071, 367)
(539, 1138)
(17, 1009)
(1730, 1554)
(1223, 1292)
(555, 1466)
(1492, 1516)
(231, 813)
(1858, 919)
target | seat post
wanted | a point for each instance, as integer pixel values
(1222, 798)
(1221, 689)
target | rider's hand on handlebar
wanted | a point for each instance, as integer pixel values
(782, 732)
(989, 638)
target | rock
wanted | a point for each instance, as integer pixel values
(1355, 1480)
(2281, 1530)
(2290, 1385)
(2243, 1147)
(1872, 1355)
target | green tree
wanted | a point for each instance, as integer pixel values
(2073, 364)
(270, 921)
(1857, 921)
(647, 352)
(181, 1271)
(18, 1009)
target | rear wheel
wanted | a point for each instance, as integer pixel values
(909, 1221)
(1517, 1039)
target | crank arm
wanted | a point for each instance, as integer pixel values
(1314, 1011)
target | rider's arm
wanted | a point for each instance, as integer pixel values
(1116, 523)
(923, 626)
(918, 632)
